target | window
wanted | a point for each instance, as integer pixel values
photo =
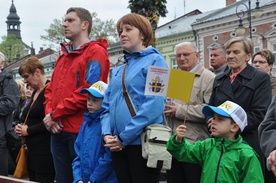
(256, 48)
(274, 52)
(174, 64)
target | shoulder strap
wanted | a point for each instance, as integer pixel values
(125, 94)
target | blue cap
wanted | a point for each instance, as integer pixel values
(97, 89)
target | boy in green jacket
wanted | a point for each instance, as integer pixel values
(224, 158)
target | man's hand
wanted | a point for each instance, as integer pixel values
(272, 161)
(112, 143)
(52, 126)
(57, 127)
(170, 110)
(180, 133)
(48, 122)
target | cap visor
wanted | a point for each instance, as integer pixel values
(210, 110)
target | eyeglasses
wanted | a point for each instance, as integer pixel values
(184, 54)
(259, 61)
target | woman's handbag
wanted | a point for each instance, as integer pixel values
(153, 138)
(21, 170)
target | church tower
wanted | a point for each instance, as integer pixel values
(13, 23)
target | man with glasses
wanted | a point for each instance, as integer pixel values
(263, 60)
(179, 112)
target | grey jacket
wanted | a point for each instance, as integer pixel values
(9, 99)
(267, 130)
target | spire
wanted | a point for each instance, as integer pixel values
(13, 23)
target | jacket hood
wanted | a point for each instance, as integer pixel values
(93, 117)
(65, 47)
(5, 74)
(141, 53)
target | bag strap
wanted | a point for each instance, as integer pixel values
(22, 138)
(125, 94)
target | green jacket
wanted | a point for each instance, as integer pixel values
(222, 160)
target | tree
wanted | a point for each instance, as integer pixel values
(151, 9)
(12, 47)
(100, 29)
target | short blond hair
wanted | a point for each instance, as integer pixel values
(22, 87)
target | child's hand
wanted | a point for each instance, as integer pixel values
(180, 132)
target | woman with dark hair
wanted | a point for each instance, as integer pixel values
(263, 60)
(121, 131)
(37, 137)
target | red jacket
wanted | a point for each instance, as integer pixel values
(73, 71)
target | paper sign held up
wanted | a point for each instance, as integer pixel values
(169, 82)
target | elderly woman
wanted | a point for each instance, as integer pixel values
(246, 86)
(37, 137)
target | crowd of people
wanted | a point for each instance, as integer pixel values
(78, 128)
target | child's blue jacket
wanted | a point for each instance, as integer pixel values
(93, 161)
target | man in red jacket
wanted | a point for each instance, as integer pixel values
(82, 63)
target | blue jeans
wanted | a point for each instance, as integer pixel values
(62, 149)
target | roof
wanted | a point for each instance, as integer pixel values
(231, 10)
(177, 27)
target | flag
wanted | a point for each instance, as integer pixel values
(172, 83)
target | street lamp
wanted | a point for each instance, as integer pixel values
(240, 30)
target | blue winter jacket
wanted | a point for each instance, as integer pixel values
(116, 119)
(93, 161)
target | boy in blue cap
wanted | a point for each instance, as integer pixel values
(93, 161)
(224, 158)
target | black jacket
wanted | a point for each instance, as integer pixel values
(251, 89)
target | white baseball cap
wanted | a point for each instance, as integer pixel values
(97, 89)
(228, 109)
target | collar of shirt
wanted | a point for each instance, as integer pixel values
(195, 67)
(234, 75)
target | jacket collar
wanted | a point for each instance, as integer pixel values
(230, 144)
(248, 73)
(93, 117)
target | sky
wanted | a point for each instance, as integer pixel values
(37, 15)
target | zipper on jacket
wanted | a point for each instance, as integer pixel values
(220, 157)
(78, 79)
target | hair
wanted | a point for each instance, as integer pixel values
(219, 46)
(30, 65)
(140, 23)
(83, 14)
(247, 44)
(180, 45)
(22, 87)
(267, 54)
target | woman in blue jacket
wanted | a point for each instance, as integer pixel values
(121, 131)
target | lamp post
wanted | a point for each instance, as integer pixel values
(241, 13)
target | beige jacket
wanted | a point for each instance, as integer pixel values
(192, 112)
